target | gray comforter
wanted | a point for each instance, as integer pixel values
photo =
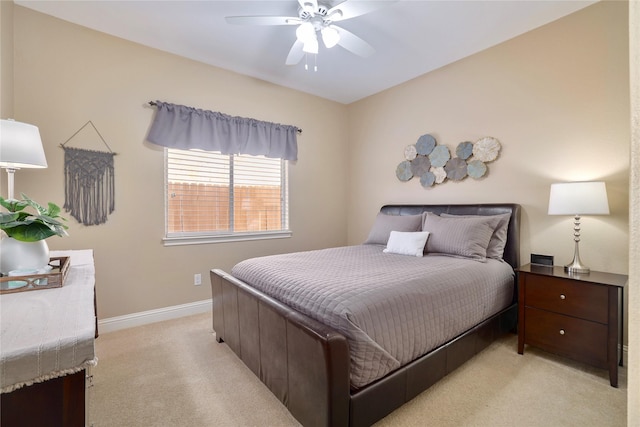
(391, 308)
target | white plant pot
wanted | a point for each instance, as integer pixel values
(18, 255)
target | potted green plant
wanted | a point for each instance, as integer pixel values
(27, 224)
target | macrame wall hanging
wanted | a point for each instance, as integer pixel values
(89, 184)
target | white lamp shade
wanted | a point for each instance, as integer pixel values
(578, 198)
(20, 146)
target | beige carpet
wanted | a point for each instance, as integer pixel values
(173, 373)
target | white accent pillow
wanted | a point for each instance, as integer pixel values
(407, 243)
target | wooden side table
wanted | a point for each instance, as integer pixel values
(578, 316)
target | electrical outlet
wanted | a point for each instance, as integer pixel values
(197, 279)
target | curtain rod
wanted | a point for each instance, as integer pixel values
(153, 104)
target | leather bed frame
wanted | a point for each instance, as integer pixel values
(305, 364)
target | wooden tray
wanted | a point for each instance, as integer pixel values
(53, 279)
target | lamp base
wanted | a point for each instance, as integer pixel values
(576, 266)
(10, 180)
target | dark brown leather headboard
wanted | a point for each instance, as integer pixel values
(511, 250)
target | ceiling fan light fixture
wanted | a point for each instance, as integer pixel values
(330, 37)
(306, 32)
(311, 46)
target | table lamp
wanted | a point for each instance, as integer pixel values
(20, 147)
(578, 198)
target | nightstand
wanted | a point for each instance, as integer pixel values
(578, 316)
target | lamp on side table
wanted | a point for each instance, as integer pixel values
(20, 147)
(578, 198)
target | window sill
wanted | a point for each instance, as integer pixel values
(222, 238)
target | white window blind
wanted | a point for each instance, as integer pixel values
(212, 195)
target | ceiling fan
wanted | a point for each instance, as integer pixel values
(316, 18)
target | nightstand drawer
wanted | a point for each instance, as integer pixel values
(573, 315)
(567, 336)
(582, 300)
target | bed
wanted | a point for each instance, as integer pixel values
(351, 361)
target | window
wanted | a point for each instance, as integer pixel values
(212, 197)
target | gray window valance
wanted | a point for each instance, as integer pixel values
(182, 127)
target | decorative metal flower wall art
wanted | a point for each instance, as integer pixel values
(433, 163)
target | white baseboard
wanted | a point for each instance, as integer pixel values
(145, 317)
(112, 324)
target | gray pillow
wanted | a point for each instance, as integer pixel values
(459, 236)
(498, 238)
(385, 224)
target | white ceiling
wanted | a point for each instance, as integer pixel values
(411, 37)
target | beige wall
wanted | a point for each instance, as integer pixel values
(558, 100)
(66, 75)
(633, 397)
(6, 61)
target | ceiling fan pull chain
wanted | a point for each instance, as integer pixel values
(306, 62)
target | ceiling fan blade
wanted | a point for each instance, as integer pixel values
(353, 43)
(296, 53)
(309, 5)
(351, 9)
(263, 20)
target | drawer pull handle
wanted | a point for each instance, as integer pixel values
(561, 331)
(562, 296)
